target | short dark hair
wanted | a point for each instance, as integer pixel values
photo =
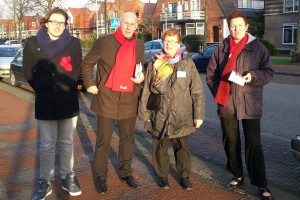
(172, 32)
(55, 10)
(236, 14)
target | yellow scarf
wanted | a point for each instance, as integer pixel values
(163, 69)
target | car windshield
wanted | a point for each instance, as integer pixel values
(8, 52)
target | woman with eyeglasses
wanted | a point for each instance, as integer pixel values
(52, 64)
(174, 77)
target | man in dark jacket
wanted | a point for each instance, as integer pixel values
(52, 64)
(115, 95)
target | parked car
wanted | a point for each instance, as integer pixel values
(202, 59)
(17, 77)
(155, 46)
(295, 145)
(7, 54)
(13, 43)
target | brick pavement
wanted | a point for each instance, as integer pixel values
(19, 163)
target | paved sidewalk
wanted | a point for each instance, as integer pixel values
(19, 162)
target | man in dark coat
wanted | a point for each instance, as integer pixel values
(115, 95)
(52, 64)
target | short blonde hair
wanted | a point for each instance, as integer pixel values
(172, 32)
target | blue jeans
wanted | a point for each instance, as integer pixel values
(62, 133)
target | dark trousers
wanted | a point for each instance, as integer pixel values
(253, 149)
(161, 160)
(105, 127)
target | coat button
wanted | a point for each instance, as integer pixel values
(53, 74)
(54, 86)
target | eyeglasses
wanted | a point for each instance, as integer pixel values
(170, 42)
(54, 23)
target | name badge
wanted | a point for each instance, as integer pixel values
(181, 74)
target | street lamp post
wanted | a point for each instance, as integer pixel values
(97, 19)
(166, 10)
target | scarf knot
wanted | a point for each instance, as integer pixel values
(123, 69)
(52, 47)
(222, 95)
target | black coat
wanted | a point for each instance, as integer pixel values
(55, 88)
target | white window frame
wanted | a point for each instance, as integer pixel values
(294, 8)
(116, 13)
(186, 5)
(200, 28)
(251, 4)
(139, 13)
(163, 7)
(294, 27)
(191, 26)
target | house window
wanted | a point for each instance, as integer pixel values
(290, 33)
(164, 8)
(195, 5)
(186, 5)
(172, 7)
(251, 4)
(116, 13)
(137, 13)
(200, 28)
(33, 23)
(190, 29)
(291, 5)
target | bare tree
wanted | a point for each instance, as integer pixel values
(18, 10)
(45, 6)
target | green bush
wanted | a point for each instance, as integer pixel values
(144, 37)
(271, 47)
(192, 42)
(87, 43)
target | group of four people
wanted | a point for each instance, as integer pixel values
(53, 61)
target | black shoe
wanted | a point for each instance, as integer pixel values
(235, 182)
(44, 189)
(101, 186)
(262, 191)
(185, 183)
(163, 183)
(130, 181)
(70, 186)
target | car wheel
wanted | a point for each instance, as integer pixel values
(13, 80)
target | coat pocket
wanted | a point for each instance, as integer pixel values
(253, 103)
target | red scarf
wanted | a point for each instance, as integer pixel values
(123, 69)
(222, 95)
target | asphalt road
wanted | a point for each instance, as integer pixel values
(281, 106)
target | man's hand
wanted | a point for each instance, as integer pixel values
(247, 77)
(93, 89)
(198, 122)
(138, 80)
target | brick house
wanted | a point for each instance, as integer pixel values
(81, 22)
(30, 26)
(188, 16)
(281, 23)
(116, 10)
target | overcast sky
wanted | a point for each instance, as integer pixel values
(81, 3)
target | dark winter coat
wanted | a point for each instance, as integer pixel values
(245, 102)
(55, 88)
(182, 101)
(108, 103)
